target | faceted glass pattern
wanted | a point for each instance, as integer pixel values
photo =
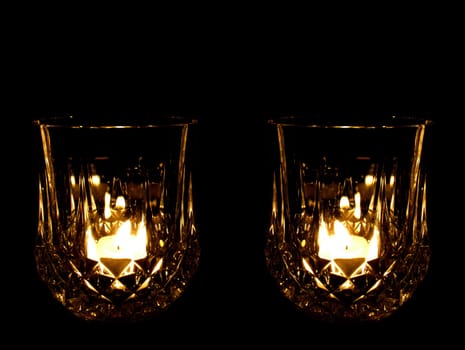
(348, 237)
(117, 238)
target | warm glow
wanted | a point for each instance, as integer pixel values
(369, 180)
(107, 202)
(95, 180)
(343, 245)
(357, 210)
(120, 202)
(122, 245)
(344, 202)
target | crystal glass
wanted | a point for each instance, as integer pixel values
(116, 237)
(348, 236)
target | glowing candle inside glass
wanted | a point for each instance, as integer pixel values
(123, 246)
(342, 247)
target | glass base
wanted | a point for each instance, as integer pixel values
(118, 290)
(334, 291)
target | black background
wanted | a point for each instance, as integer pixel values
(232, 87)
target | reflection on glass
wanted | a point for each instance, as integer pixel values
(116, 237)
(348, 237)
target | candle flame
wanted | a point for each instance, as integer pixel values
(122, 245)
(341, 244)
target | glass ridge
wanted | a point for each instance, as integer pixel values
(114, 121)
(350, 122)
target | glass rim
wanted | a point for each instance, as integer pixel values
(117, 122)
(350, 122)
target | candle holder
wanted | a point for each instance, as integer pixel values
(348, 238)
(116, 239)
